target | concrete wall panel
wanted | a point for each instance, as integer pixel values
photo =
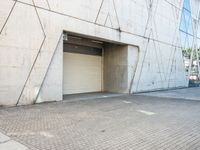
(150, 25)
(116, 68)
(52, 86)
(18, 52)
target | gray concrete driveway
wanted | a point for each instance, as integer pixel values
(185, 93)
(117, 123)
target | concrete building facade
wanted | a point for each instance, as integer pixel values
(49, 48)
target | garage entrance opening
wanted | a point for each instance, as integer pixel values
(82, 67)
(94, 66)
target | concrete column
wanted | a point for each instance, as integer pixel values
(119, 67)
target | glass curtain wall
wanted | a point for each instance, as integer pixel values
(187, 39)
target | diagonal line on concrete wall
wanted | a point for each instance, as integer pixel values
(158, 49)
(35, 57)
(116, 13)
(99, 11)
(149, 5)
(39, 18)
(91, 22)
(145, 52)
(49, 66)
(108, 15)
(174, 41)
(30, 71)
(171, 68)
(8, 16)
(48, 4)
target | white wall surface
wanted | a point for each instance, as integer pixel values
(29, 37)
(53, 84)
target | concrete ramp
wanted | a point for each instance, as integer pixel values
(93, 95)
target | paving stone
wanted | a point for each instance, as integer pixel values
(185, 93)
(117, 123)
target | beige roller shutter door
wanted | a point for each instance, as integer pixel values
(82, 73)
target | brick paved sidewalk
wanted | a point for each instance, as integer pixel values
(122, 123)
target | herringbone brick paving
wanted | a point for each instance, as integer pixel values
(118, 123)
